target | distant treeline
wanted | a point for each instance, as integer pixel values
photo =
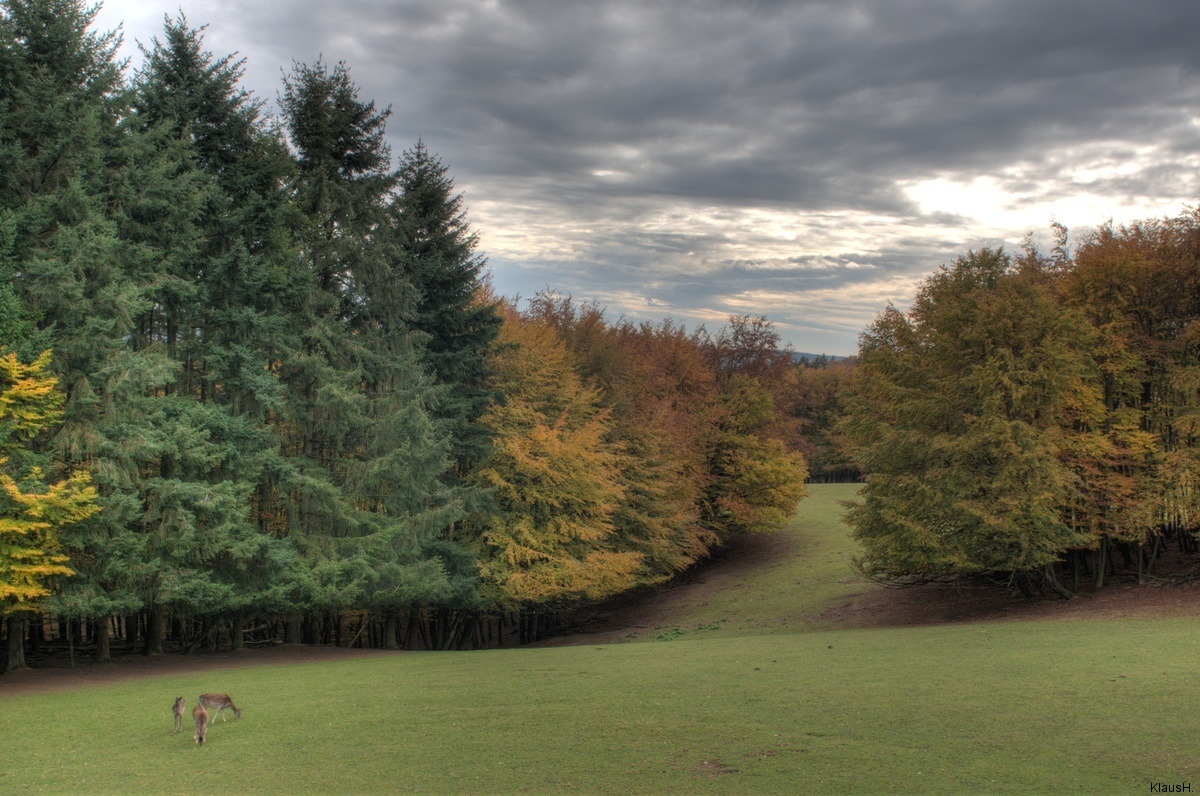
(255, 385)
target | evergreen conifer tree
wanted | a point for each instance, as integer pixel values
(437, 253)
(365, 454)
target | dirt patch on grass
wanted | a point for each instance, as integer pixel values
(934, 604)
(1172, 591)
(134, 666)
(714, 769)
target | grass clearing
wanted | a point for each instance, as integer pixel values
(1014, 707)
(780, 596)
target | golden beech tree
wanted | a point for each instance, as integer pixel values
(32, 510)
(553, 476)
(705, 451)
(660, 391)
(663, 395)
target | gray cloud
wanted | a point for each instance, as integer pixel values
(695, 157)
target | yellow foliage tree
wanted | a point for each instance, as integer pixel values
(31, 509)
(554, 479)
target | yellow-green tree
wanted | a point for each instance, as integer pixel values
(1139, 287)
(554, 479)
(968, 414)
(32, 508)
(757, 481)
(756, 478)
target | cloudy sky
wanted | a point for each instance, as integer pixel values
(807, 161)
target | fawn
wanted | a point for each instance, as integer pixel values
(200, 719)
(180, 707)
(219, 702)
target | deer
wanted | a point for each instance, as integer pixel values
(200, 719)
(219, 702)
(180, 707)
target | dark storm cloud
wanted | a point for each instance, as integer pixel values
(580, 129)
(782, 103)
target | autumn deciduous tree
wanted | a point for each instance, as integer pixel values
(659, 390)
(964, 413)
(663, 397)
(704, 452)
(1139, 287)
(553, 478)
(817, 392)
(756, 481)
(33, 506)
(756, 475)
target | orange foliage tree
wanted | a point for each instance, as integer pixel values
(689, 422)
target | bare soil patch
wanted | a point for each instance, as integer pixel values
(936, 604)
(58, 677)
(1172, 591)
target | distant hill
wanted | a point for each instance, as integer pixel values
(799, 355)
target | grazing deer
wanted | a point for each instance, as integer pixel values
(180, 707)
(219, 702)
(200, 719)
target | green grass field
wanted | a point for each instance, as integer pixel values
(780, 596)
(1016, 707)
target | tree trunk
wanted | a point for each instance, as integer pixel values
(1153, 554)
(390, 640)
(131, 631)
(292, 630)
(1052, 581)
(103, 651)
(37, 633)
(422, 634)
(154, 631)
(312, 628)
(236, 626)
(15, 657)
(208, 633)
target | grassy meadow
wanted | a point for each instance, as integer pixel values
(731, 703)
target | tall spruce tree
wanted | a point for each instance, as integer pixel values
(365, 453)
(233, 320)
(438, 255)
